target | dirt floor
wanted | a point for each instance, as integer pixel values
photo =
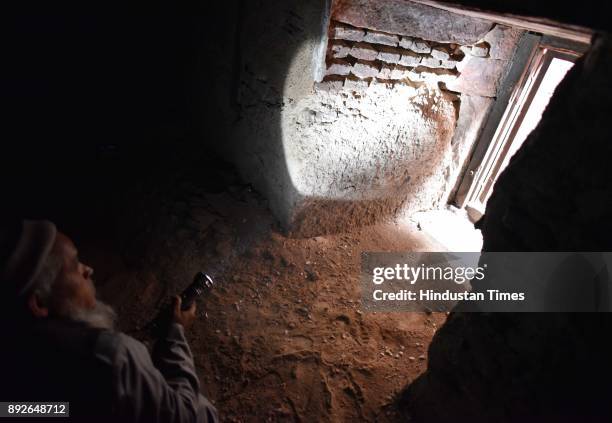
(281, 336)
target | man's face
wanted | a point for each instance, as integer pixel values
(74, 288)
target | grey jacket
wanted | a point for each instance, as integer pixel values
(163, 387)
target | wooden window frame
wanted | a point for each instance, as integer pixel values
(532, 59)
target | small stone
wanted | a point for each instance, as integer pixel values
(411, 358)
(422, 357)
(312, 275)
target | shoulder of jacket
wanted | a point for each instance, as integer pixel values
(112, 345)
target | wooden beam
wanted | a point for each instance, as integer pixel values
(536, 24)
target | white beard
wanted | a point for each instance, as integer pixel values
(102, 316)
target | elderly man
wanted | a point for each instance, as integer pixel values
(59, 343)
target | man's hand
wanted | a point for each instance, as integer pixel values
(183, 317)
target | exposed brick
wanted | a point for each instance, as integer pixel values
(365, 70)
(340, 49)
(380, 38)
(389, 55)
(343, 32)
(440, 53)
(406, 42)
(364, 51)
(448, 64)
(430, 62)
(480, 50)
(339, 67)
(416, 45)
(421, 46)
(410, 59)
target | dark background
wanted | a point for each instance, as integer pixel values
(98, 99)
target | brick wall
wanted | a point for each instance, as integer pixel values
(358, 57)
(367, 55)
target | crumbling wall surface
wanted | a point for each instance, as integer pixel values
(384, 129)
(555, 195)
(364, 151)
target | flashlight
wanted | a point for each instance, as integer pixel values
(201, 281)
